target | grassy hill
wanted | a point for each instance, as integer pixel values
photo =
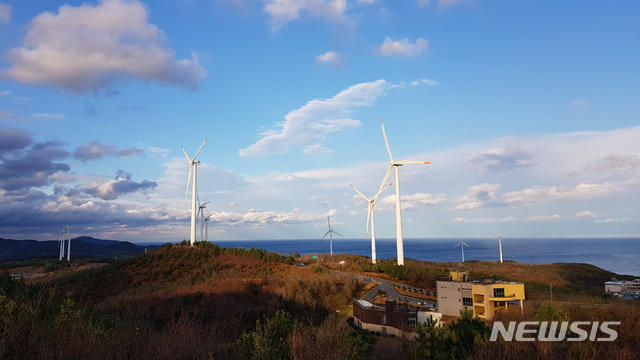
(209, 302)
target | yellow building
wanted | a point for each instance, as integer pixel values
(484, 297)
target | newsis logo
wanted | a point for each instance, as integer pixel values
(555, 331)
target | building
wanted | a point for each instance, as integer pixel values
(484, 297)
(391, 319)
(621, 286)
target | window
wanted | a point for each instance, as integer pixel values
(467, 301)
(384, 319)
(412, 322)
(498, 292)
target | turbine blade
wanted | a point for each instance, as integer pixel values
(325, 235)
(504, 233)
(335, 232)
(386, 177)
(493, 234)
(185, 155)
(359, 193)
(406, 162)
(186, 193)
(386, 142)
(200, 148)
(373, 199)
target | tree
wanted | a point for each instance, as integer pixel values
(269, 340)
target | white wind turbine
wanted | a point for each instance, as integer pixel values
(370, 218)
(462, 244)
(499, 240)
(201, 214)
(69, 240)
(206, 227)
(396, 165)
(61, 243)
(193, 168)
(330, 233)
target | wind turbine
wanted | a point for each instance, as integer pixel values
(201, 213)
(61, 242)
(206, 226)
(370, 217)
(396, 165)
(69, 240)
(193, 168)
(330, 233)
(499, 240)
(462, 244)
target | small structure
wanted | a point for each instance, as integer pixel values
(621, 286)
(485, 297)
(391, 319)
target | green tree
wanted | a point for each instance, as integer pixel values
(430, 341)
(269, 340)
(550, 312)
(466, 333)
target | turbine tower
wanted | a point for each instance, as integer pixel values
(370, 218)
(69, 244)
(61, 242)
(201, 214)
(462, 244)
(499, 240)
(206, 227)
(330, 233)
(193, 168)
(396, 164)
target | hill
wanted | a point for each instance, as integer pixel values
(81, 247)
(208, 302)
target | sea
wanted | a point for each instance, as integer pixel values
(618, 255)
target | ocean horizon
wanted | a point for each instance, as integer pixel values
(620, 255)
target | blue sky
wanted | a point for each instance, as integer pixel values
(528, 111)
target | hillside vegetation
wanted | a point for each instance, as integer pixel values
(208, 302)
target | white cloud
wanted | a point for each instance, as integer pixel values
(584, 214)
(479, 196)
(9, 116)
(448, 3)
(283, 11)
(330, 58)
(614, 163)
(484, 220)
(49, 116)
(579, 104)
(612, 220)
(307, 126)
(409, 202)
(501, 159)
(539, 194)
(543, 217)
(5, 12)
(402, 47)
(89, 48)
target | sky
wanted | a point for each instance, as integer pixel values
(527, 111)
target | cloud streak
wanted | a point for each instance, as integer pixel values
(95, 150)
(402, 47)
(306, 127)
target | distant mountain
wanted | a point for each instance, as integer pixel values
(83, 246)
